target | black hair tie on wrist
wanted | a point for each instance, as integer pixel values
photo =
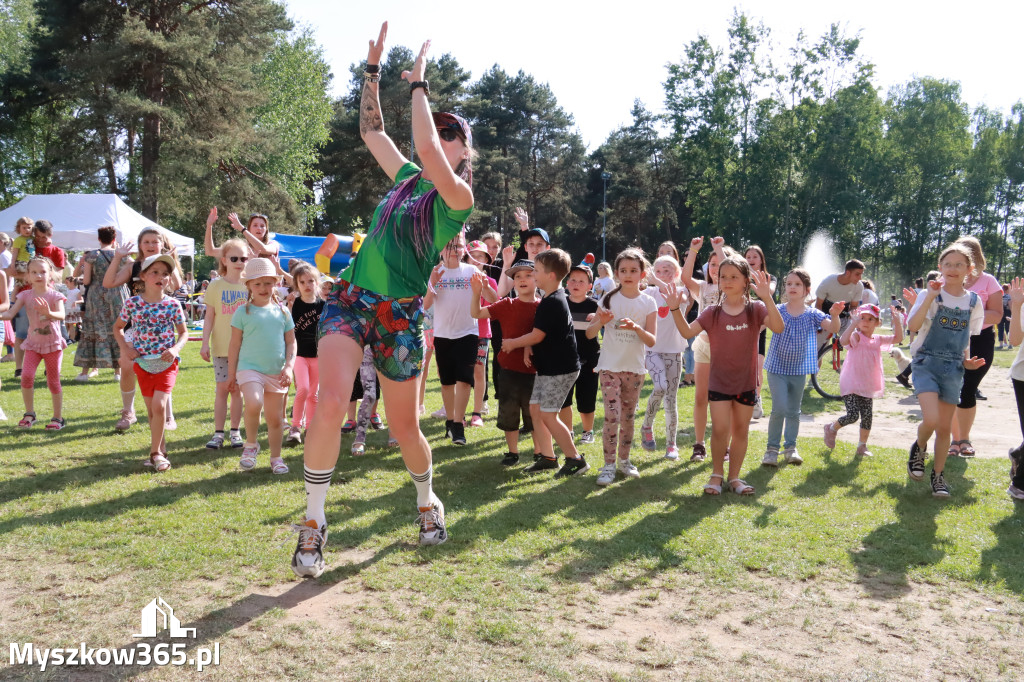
(420, 84)
(373, 68)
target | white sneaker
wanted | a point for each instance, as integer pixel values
(627, 469)
(431, 519)
(587, 437)
(606, 475)
(440, 414)
(3, 416)
(672, 453)
(792, 456)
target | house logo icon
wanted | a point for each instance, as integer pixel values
(151, 618)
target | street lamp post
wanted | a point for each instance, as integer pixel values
(605, 177)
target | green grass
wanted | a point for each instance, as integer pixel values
(89, 537)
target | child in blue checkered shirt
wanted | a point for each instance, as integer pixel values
(792, 355)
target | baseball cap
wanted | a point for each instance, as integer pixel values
(537, 232)
(159, 258)
(869, 309)
(519, 266)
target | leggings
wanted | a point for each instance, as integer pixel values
(31, 364)
(664, 369)
(621, 392)
(983, 345)
(368, 377)
(307, 382)
(1018, 392)
(857, 404)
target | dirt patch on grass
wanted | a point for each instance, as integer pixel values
(897, 414)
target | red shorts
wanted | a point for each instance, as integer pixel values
(151, 383)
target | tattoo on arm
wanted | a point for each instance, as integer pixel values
(369, 112)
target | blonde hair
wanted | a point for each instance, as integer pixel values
(977, 255)
(670, 261)
(248, 295)
(51, 272)
(604, 269)
(24, 220)
(239, 244)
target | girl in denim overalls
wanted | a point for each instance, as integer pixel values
(946, 315)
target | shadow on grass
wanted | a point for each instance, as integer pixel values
(889, 553)
(212, 627)
(1005, 561)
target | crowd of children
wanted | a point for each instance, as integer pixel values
(555, 341)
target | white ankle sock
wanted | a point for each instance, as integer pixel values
(128, 400)
(318, 481)
(423, 483)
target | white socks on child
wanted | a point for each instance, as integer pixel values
(317, 483)
(423, 483)
(128, 400)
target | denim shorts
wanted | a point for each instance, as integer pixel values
(934, 374)
(390, 326)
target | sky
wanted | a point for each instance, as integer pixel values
(598, 58)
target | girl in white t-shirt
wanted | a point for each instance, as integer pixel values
(664, 362)
(628, 317)
(706, 294)
(456, 334)
(604, 282)
(945, 315)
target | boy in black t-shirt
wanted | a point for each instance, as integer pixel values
(583, 308)
(553, 345)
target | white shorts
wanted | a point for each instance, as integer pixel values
(268, 384)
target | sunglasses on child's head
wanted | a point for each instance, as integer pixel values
(447, 134)
(235, 259)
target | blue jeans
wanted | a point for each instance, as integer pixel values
(787, 395)
(688, 363)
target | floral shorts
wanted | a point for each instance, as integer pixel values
(391, 327)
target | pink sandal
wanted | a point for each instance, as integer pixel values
(27, 420)
(278, 466)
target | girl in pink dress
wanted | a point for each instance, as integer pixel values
(861, 379)
(45, 344)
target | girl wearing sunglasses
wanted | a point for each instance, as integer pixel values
(256, 232)
(378, 301)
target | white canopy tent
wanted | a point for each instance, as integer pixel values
(76, 217)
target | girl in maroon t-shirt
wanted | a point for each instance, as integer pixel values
(733, 327)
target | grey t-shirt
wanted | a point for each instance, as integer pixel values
(831, 290)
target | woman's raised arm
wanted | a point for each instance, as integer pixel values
(371, 123)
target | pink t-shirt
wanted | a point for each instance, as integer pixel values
(43, 335)
(733, 340)
(986, 286)
(862, 369)
(485, 323)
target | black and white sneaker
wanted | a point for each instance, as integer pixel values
(915, 463)
(448, 428)
(542, 464)
(308, 559)
(458, 431)
(510, 459)
(432, 528)
(572, 467)
(939, 487)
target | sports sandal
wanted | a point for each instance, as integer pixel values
(278, 466)
(27, 420)
(741, 487)
(358, 449)
(712, 488)
(159, 462)
(966, 449)
(56, 424)
(954, 449)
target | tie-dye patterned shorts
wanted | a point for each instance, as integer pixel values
(390, 326)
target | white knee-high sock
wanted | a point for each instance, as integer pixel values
(423, 483)
(317, 483)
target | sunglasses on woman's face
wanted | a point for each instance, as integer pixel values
(448, 135)
(235, 259)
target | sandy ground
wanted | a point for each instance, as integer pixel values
(996, 428)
